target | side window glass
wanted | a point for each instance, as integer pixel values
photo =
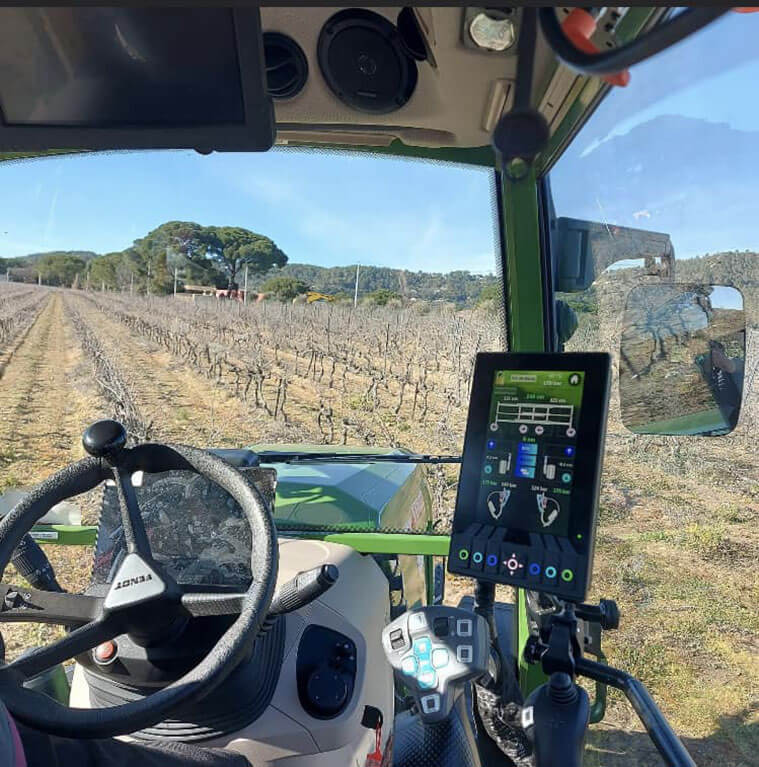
(658, 226)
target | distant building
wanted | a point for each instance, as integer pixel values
(200, 290)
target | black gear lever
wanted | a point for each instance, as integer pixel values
(105, 439)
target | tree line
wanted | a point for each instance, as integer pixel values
(216, 256)
(219, 256)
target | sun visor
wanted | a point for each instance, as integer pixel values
(133, 78)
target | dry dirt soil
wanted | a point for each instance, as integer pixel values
(678, 542)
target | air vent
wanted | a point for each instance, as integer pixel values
(286, 66)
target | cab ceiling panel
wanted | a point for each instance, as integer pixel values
(459, 92)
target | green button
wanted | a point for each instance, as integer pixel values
(567, 575)
(463, 554)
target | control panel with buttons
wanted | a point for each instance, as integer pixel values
(546, 563)
(434, 651)
(527, 503)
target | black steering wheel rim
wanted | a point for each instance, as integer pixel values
(43, 713)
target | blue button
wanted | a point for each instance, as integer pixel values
(566, 477)
(534, 568)
(488, 469)
(569, 450)
(550, 571)
(491, 444)
(527, 460)
(422, 647)
(526, 471)
(477, 557)
(528, 448)
(492, 560)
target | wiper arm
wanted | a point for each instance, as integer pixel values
(275, 456)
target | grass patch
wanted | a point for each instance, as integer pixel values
(655, 535)
(706, 540)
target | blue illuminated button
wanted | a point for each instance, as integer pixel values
(409, 665)
(427, 679)
(569, 450)
(422, 647)
(439, 657)
(534, 568)
(566, 477)
(528, 472)
(528, 448)
(550, 572)
(491, 444)
(477, 557)
(492, 560)
(488, 469)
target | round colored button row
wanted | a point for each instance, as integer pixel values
(478, 556)
(550, 572)
(534, 569)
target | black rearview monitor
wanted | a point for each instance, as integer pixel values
(128, 78)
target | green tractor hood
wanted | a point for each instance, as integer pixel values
(369, 496)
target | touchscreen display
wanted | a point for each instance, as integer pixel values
(528, 451)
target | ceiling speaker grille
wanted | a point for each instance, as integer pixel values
(364, 62)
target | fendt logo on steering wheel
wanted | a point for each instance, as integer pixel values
(132, 581)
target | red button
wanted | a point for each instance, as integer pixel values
(106, 652)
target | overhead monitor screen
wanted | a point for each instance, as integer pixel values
(96, 67)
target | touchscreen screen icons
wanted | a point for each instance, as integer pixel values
(530, 450)
(527, 502)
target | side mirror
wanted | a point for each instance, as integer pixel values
(587, 248)
(681, 359)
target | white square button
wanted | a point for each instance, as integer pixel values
(417, 621)
(464, 627)
(408, 665)
(431, 703)
(464, 653)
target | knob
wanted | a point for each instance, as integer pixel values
(609, 614)
(326, 692)
(104, 439)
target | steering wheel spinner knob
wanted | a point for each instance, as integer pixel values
(104, 439)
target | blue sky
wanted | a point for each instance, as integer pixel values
(320, 208)
(330, 209)
(693, 177)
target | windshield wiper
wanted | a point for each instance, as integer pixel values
(275, 456)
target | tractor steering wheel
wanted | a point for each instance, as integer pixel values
(143, 600)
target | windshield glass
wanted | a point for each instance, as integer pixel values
(676, 154)
(288, 300)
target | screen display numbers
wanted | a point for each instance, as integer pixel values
(528, 455)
